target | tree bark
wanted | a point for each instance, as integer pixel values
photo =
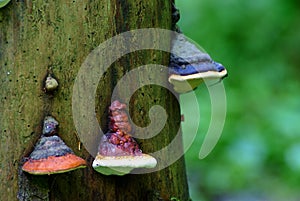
(41, 36)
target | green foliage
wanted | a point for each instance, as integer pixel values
(3, 3)
(258, 42)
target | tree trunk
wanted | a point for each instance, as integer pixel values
(37, 37)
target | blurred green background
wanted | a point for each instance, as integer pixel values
(258, 155)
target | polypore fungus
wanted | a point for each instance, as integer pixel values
(51, 155)
(190, 65)
(118, 152)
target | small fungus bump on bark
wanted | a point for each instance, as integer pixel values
(191, 65)
(51, 155)
(50, 126)
(118, 152)
(51, 84)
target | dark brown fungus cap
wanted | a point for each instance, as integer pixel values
(51, 156)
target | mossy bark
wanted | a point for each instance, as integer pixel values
(41, 36)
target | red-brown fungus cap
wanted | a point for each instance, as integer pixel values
(54, 164)
(118, 152)
(50, 156)
(113, 145)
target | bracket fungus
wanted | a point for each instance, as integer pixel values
(118, 152)
(190, 65)
(51, 155)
